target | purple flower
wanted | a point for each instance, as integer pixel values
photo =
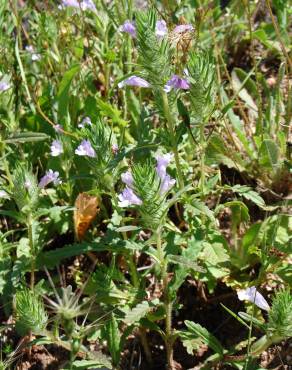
(128, 27)
(115, 149)
(128, 198)
(4, 86)
(88, 5)
(166, 182)
(34, 56)
(58, 128)
(85, 149)
(4, 195)
(56, 148)
(161, 29)
(176, 83)
(73, 3)
(183, 28)
(85, 121)
(49, 177)
(252, 295)
(127, 178)
(134, 81)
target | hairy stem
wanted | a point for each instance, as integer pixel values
(171, 130)
(167, 303)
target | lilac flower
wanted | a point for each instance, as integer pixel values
(56, 148)
(88, 5)
(161, 29)
(49, 177)
(176, 83)
(183, 28)
(85, 149)
(85, 121)
(4, 195)
(34, 56)
(72, 3)
(115, 149)
(27, 184)
(127, 178)
(166, 182)
(128, 27)
(252, 295)
(58, 128)
(134, 81)
(128, 198)
(4, 86)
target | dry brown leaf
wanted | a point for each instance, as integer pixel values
(86, 209)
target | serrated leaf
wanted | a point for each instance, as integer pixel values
(185, 262)
(199, 331)
(214, 253)
(136, 313)
(249, 194)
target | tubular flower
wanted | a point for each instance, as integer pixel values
(161, 29)
(128, 27)
(49, 177)
(85, 121)
(85, 149)
(183, 28)
(176, 83)
(127, 178)
(56, 148)
(128, 198)
(166, 181)
(4, 86)
(252, 295)
(134, 81)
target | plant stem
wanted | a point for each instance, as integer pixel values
(171, 129)
(30, 238)
(202, 161)
(167, 303)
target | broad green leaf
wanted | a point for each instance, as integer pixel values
(63, 91)
(199, 331)
(185, 262)
(214, 253)
(249, 194)
(251, 235)
(239, 210)
(137, 312)
(269, 154)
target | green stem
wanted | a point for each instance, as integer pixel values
(31, 247)
(167, 303)
(202, 161)
(171, 130)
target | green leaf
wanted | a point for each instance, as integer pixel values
(123, 229)
(113, 339)
(24, 137)
(239, 211)
(90, 364)
(214, 253)
(190, 254)
(185, 262)
(269, 154)
(249, 194)
(199, 331)
(137, 312)
(251, 235)
(63, 91)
